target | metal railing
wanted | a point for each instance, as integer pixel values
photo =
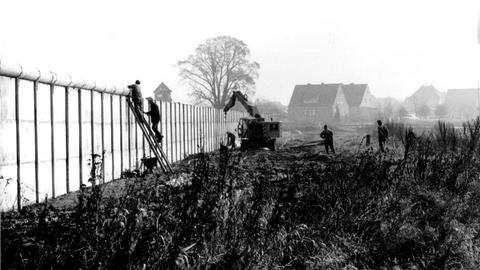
(51, 125)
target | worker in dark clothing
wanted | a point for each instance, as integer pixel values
(231, 139)
(327, 135)
(382, 135)
(154, 114)
(136, 95)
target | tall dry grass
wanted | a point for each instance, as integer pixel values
(277, 211)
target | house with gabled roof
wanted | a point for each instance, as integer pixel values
(462, 103)
(362, 105)
(163, 93)
(426, 95)
(317, 104)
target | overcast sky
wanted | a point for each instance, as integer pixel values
(394, 46)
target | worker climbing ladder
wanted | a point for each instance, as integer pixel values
(150, 136)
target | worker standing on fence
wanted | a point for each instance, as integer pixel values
(154, 114)
(382, 135)
(136, 95)
(327, 136)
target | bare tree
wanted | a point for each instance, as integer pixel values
(219, 66)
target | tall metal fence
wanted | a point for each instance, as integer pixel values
(51, 125)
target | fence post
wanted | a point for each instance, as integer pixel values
(204, 124)
(160, 108)
(210, 128)
(202, 128)
(183, 131)
(217, 128)
(67, 142)
(17, 135)
(209, 131)
(35, 132)
(143, 136)
(175, 114)
(212, 125)
(112, 148)
(136, 142)
(171, 133)
(102, 131)
(149, 121)
(52, 141)
(92, 133)
(80, 137)
(129, 139)
(121, 136)
(199, 128)
(190, 129)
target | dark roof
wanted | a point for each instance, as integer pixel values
(354, 93)
(318, 94)
(162, 88)
(425, 91)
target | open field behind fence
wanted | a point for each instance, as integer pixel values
(51, 125)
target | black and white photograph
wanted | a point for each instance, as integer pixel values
(254, 134)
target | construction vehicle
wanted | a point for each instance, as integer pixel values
(254, 131)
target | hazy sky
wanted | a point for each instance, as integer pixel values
(394, 46)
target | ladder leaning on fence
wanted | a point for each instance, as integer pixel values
(150, 136)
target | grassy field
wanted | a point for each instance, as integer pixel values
(416, 207)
